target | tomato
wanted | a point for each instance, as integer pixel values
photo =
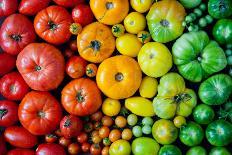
(13, 86)
(179, 121)
(132, 119)
(50, 138)
(52, 24)
(53, 149)
(147, 121)
(74, 148)
(105, 150)
(41, 75)
(144, 37)
(85, 147)
(58, 132)
(82, 14)
(75, 28)
(73, 45)
(135, 22)
(88, 127)
(107, 121)
(170, 150)
(20, 137)
(219, 151)
(65, 142)
(68, 53)
(91, 70)
(145, 144)
(95, 149)
(69, 3)
(7, 63)
(141, 6)
(220, 8)
(137, 131)
(70, 126)
(128, 44)
(219, 133)
(8, 7)
(189, 4)
(222, 83)
(196, 150)
(118, 30)
(19, 151)
(139, 106)
(120, 121)
(97, 116)
(82, 137)
(84, 95)
(120, 147)
(32, 7)
(14, 38)
(97, 125)
(173, 97)
(191, 134)
(165, 19)
(148, 87)
(155, 59)
(3, 148)
(194, 61)
(203, 114)
(111, 107)
(106, 141)
(39, 112)
(104, 132)
(114, 135)
(146, 129)
(75, 67)
(164, 131)
(8, 113)
(96, 139)
(127, 134)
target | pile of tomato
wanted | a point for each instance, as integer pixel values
(115, 77)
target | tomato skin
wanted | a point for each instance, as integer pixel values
(74, 148)
(3, 148)
(13, 86)
(73, 45)
(95, 149)
(170, 150)
(65, 142)
(97, 116)
(68, 3)
(20, 137)
(120, 147)
(203, 114)
(20, 36)
(114, 135)
(220, 8)
(39, 112)
(219, 151)
(19, 151)
(8, 7)
(7, 63)
(52, 24)
(104, 132)
(75, 67)
(8, 113)
(82, 14)
(107, 121)
(105, 150)
(32, 7)
(85, 147)
(82, 137)
(51, 149)
(196, 150)
(50, 138)
(219, 29)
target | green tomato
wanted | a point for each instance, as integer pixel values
(146, 129)
(147, 121)
(228, 52)
(137, 131)
(196, 150)
(164, 131)
(222, 31)
(120, 147)
(202, 7)
(189, 4)
(198, 12)
(220, 8)
(191, 134)
(197, 57)
(203, 114)
(202, 22)
(145, 146)
(229, 60)
(219, 151)
(219, 133)
(216, 89)
(209, 19)
(132, 119)
(170, 150)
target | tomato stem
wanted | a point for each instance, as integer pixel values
(181, 97)
(95, 45)
(80, 98)
(3, 112)
(16, 37)
(38, 68)
(119, 77)
(67, 123)
(109, 5)
(164, 23)
(41, 114)
(52, 25)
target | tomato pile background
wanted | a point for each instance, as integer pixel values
(194, 25)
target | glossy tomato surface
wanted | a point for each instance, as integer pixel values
(82, 14)
(7, 63)
(8, 7)
(50, 149)
(19, 151)
(8, 113)
(68, 3)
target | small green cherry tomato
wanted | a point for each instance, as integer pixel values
(137, 131)
(132, 119)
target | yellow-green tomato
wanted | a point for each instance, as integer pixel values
(179, 121)
(128, 44)
(120, 147)
(139, 106)
(148, 87)
(141, 5)
(118, 30)
(134, 22)
(155, 59)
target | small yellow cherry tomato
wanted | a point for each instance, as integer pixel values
(148, 87)
(144, 37)
(141, 5)
(111, 107)
(179, 121)
(134, 22)
(118, 30)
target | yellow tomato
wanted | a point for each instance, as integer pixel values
(111, 107)
(179, 121)
(128, 44)
(148, 87)
(141, 5)
(135, 22)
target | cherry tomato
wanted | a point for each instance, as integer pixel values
(82, 137)
(82, 14)
(95, 149)
(95, 132)
(74, 148)
(127, 134)
(91, 70)
(97, 125)
(64, 141)
(104, 132)
(97, 116)
(107, 121)
(96, 139)
(105, 150)
(85, 147)
(50, 138)
(58, 133)
(75, 28)
(106, 141)
(88, 127)
(75, 66)
(73, 45)
(68, 53)
(114, 135)
(179, 121)
(120, 121)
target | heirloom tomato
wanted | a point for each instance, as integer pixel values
(119, 77)
(203, 114)
(39, 112)
(219, 151)
(170, 150)
(19, 151)
(196, 150)
(75, 67)
(7, 63)
(50, 149)
(220, 8)
(82, 14)
(68, 3)
(120, 147)
(148, 87)
(8, 7)
(8, 113)
(32, 7)
(135, 22)
(41, 65)
(141, 6)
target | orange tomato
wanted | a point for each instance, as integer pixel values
(120, 121)
(91, 70)
(115, 135)
(104, 132)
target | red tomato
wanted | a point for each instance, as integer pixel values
(16, 32)
(19, 151)
(85, 147)
(8, 7)
(75, 67)
(13, 86)
(32, 7)
(68, 3)
(82, 137)
(73, 45)
(82, 14)
(8, 113)
(65, 141)
(50, 138)
(50, 149)
(68, 53)
(39, 112)
(3, 149)
(7, 63)
(20, 137)
(42, 66)
(52, 24)
(74, 148)
(95, 149)
(70, 126)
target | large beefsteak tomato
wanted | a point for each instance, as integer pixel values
(8, 7)
(39, 112)
(7, 63)
(42, 66)
(52, 24)
(81, 97)
(68, 3)
(8, 113)
(16, 32)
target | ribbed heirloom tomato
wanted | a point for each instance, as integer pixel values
(68, 3)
